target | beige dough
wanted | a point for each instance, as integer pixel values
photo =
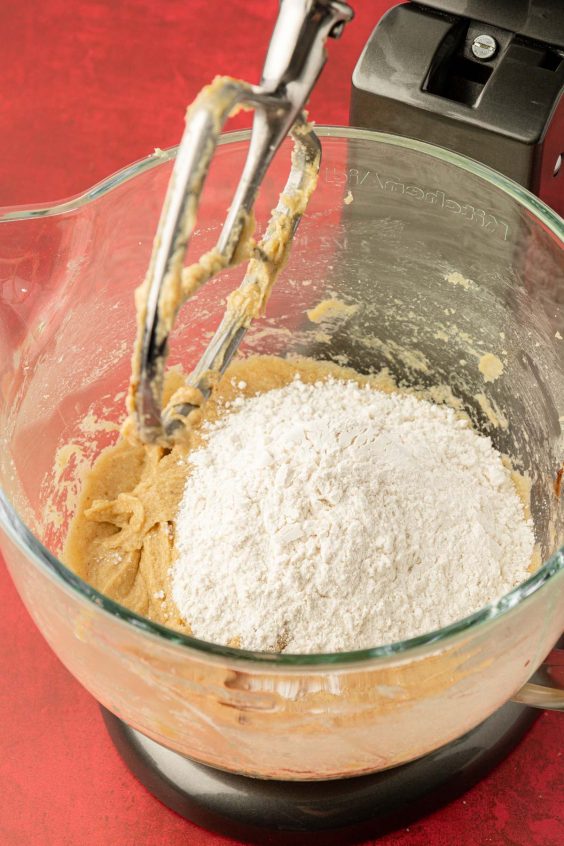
(491, 367)
(331, 310)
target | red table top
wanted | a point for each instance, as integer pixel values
(86, 89)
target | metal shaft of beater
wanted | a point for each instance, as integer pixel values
(295, 58)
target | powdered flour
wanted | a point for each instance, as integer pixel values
(332, 516)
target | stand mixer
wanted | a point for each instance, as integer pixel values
(429, 71)
(426, 72)
(484, 79)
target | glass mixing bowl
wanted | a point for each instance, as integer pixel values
(448, 261)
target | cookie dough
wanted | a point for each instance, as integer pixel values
(491, 367)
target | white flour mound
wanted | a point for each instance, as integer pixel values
(335, 517)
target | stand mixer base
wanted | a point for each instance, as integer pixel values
(285, 812)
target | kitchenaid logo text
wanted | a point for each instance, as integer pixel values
(354, 178)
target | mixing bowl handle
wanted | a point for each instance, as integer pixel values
(550, 694)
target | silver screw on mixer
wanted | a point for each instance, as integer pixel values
(484, 47)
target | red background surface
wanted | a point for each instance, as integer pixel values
(86, 88)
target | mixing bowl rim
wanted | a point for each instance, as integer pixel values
(550, 218)
(40, 556)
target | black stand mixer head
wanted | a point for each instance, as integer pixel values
(484, 79)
